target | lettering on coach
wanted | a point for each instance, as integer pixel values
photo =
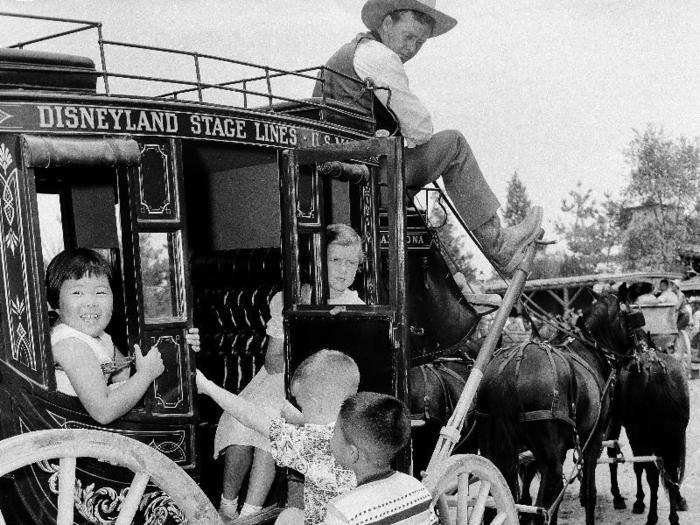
(79, 118)
(107, 119)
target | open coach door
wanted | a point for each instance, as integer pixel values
(121, 198)
(347, 183)
(160, 288)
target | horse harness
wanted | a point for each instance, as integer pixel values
(435, 368)
(556, 411)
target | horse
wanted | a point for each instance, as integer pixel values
(434, 389)
(441, 350)
(652, 402)
(440, 319)
(549, 398)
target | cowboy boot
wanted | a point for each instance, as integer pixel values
(505, 247)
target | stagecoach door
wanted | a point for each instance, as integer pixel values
(158, 293)
(315, 193)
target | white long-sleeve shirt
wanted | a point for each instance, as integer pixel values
(376, 61)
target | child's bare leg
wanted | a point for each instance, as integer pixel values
(262, 474)
(237, 460)
(290, 516)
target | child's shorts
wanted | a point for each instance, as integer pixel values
(265, 391)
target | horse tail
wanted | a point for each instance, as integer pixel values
(501, 446)
(498, 422)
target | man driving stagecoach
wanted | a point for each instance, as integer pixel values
(397, 31)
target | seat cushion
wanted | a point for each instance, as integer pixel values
(232, 292)
(44, 70)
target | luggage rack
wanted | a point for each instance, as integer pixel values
(276, 102)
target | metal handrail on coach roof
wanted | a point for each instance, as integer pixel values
(198, 85)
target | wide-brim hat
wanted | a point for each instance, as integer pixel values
(374, 11)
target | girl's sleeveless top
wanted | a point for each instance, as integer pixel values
(102, 347)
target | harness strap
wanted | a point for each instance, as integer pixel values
(578, 359)
(449, 402)
(566, 414)
(450, 372)
(541, 415)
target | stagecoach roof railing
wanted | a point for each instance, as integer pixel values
(173, 81)
(278, 73)
(87, 25)
(192, 86)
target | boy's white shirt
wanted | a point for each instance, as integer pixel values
(381, 499)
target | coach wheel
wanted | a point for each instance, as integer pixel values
(465, 485)
(148, 465)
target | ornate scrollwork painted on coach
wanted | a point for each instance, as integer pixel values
(14, 264)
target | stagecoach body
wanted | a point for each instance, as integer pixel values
(205, 210)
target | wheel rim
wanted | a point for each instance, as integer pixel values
(148, 465)
(465, 485)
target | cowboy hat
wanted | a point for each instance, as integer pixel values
(374, 11)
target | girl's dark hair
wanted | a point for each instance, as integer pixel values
(73, 264)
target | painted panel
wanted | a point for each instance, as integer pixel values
(22, 320)
(171, 394)
(157, 184)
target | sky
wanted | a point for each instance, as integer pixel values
(552, 89)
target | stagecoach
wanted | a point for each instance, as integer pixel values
(207, 198)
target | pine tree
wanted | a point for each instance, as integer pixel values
(517, 202)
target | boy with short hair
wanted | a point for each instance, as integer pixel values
(320, 384)
(370, 430)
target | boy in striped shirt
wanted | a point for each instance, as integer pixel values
(371, 428)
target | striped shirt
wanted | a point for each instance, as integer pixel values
(393, 498)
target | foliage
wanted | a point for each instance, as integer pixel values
(593, 235)
(549, 265)
(155, 275)
(517, 201)
(665, 180)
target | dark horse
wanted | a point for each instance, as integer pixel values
(652, 402)
(550, 398)
(434, 389)
(441, 322)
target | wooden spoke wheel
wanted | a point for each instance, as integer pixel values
(148, 465)
(465, 485)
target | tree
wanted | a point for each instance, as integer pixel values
(665, 180)
(592, 236)
(517, 202)
(557, 264)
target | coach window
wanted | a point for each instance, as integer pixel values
(50, 225)
(162, 277)
(76, 208)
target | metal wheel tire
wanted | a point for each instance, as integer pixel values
(464, 485)
(148, 465)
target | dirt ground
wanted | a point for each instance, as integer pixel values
(571, 512)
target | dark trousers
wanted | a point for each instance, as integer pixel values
(448, 155)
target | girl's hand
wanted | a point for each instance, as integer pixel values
(150, 364)
(192, 339)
